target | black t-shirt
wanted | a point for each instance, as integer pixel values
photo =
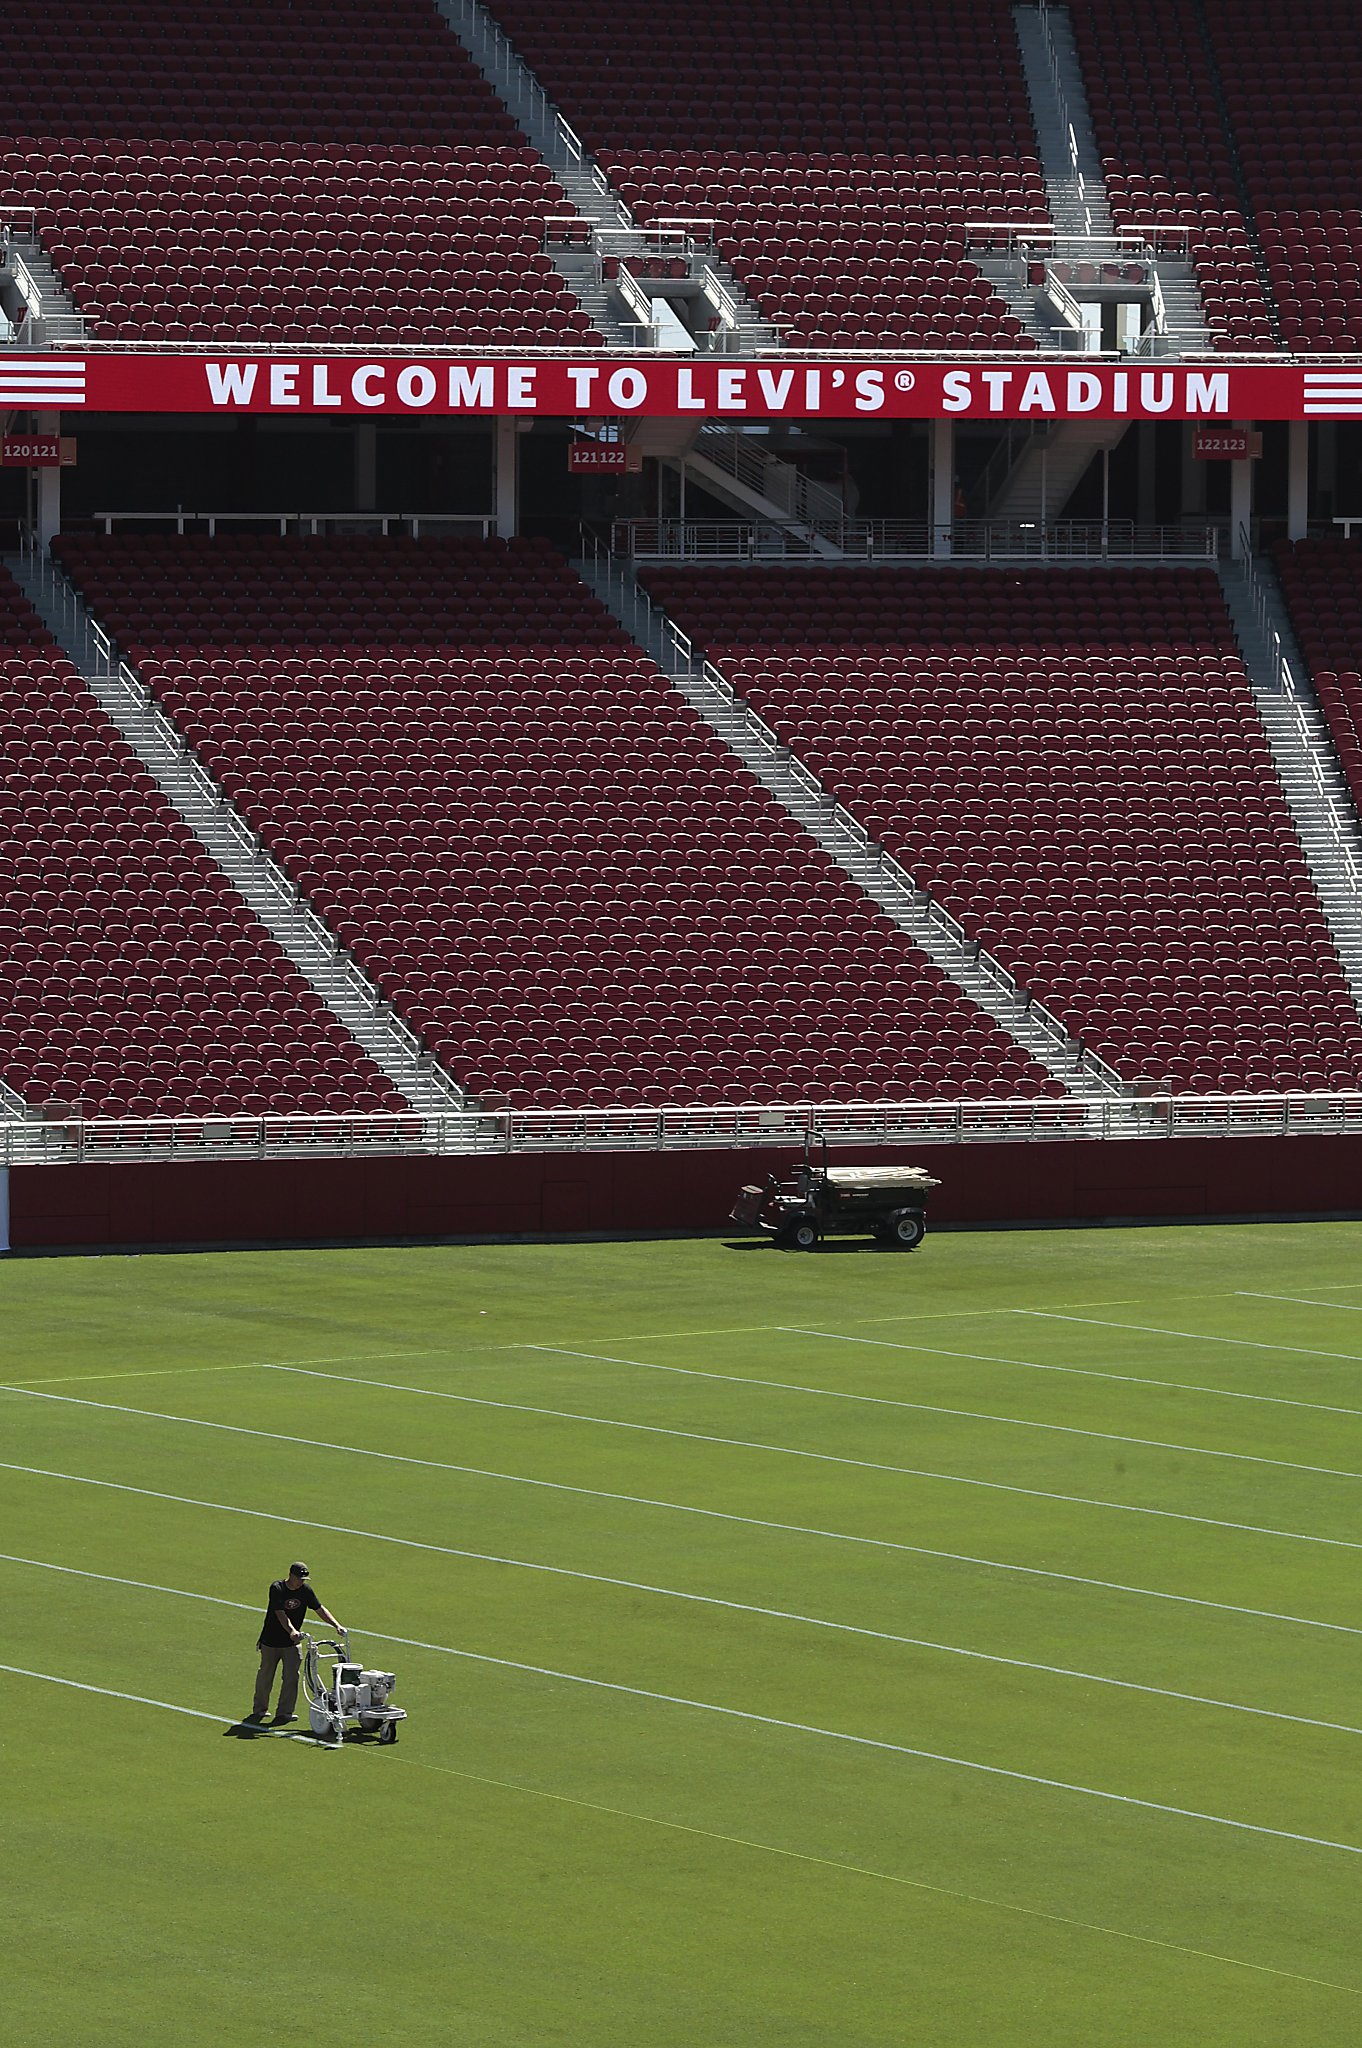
(295, 1603)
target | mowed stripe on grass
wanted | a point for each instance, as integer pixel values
(688, 1767)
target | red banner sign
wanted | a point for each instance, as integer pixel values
(37, 451)
(665, 388)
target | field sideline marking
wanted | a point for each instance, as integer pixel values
(791, 1387)
(1192, 1336)
(848, 1628)
(1085, 1372)
(735, 1841)
(916, 1884)
(1302, 1300)
(247, 1365)
(107, 1692)
(993, 1564)
(312, 1443)
(744, 1714)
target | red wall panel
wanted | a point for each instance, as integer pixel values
(275, 1201)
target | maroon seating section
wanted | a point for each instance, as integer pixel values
(1167, 154)
(136, 980)
(1320, 581)
(839, 149)
(1292, 87)
(200, 175)
(564, 882)
(1073, 763)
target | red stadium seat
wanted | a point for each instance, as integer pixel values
(530, 842)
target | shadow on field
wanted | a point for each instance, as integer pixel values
(829, 1245)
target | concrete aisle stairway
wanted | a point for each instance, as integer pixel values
(882, 879)
(1075, 186)
(581, 177)
(58, 324)
(225, 836)
(1318, 796)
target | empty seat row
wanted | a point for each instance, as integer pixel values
(840, 153)
(572, 891)
(137, 981)
(1073, 764)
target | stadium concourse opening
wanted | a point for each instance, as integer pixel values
(556, 616)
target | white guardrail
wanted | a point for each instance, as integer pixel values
(975, 540)
(737, 1127)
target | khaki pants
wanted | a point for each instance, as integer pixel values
(271, 1657)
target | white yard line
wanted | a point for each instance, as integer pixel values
(752, 1719)
(1349, 1308)
(248, 1365)
(916, 1884)
(755, 1720)
(137, 1699)
(847, 1628)
(690, 1436)
(792, 1387)
(674, 1507)
(1072, 1371)
(1192, 1336)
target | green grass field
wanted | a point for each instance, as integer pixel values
(961, 1650)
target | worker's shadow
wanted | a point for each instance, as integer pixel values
(247, 1731)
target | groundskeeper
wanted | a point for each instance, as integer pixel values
(280, 1637)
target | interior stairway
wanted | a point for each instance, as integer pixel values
(1048, 472)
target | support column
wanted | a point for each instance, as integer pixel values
(1193, 476)
(366, 466)
(941, 500)
(1241, 503)
(507, 497)
(1297, 479)
(1146, 456)
(48, 507)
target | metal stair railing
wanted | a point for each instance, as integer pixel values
(889, 873)
(1108, 542)
(102, 663)
(744, 459)
(527, 99)
(1299, 699)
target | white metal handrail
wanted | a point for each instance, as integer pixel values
(987, 540)
(1297, 694)
(749, 461)
(102, 661)
(688, 1127)
(527, 99)
(892, 876)
(479, 525)
(1143, 243)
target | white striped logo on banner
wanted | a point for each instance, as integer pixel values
(51, 381)
(1333, 393)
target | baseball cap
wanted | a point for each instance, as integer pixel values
(299, 1571)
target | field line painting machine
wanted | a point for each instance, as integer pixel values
(343, 1697)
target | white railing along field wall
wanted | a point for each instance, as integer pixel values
(737, 1127)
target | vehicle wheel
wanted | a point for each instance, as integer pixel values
(907, 1230)
(804, 1237)
(388, 1732)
